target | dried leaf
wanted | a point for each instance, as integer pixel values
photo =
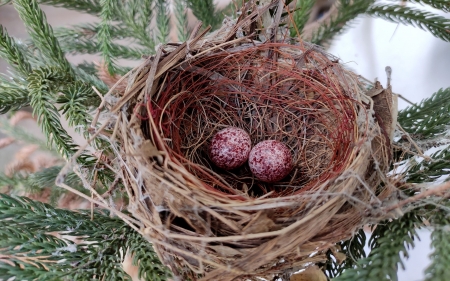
(226, 251)
(310, 274)
(259, 224)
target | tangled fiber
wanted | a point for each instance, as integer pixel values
(211, 224)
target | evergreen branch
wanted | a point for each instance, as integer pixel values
(13, 96)
(205, 11)
(36, 254)
(87, 73)
(83, 46)
(443, 5)
(437, 25)
(41, 33)
(14, 182)
(22, 135)
(440, 242)
(429, 118)
(37, 182)
(354, 251)
(43, 84)
(104, 36)
(301, 15)
(388, 242)
(137, 16)
(162, 21)
(431, 171)
(89, 31)
(347, 11)
(13, 55)
(88, 6)
(182, 21)
(74, 100)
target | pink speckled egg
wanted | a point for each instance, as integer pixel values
(270, 161)
(230, 148)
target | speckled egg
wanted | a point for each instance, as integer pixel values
(230, 148)
(270, 161)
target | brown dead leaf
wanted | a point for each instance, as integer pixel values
(226, 251)
(259, 224)
(310, 274)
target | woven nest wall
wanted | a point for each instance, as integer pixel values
(207, 223)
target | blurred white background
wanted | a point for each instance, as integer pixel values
(420, 63)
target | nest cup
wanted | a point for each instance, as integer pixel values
(211, 224)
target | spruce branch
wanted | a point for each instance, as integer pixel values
(431, 171)
(89, 31)
(205, 11)
(438, 26)
(90, 46)
(20, 134)
(347, 11)
(162, 21)
(429, 118)
(43, 84)
(13, 55)
(13, 95)
(137, 15)
(181, 17)
(389, 240)
(42, 34)
(440, 243)
(88, 6)
(443, 5)
(354, 251)
(87, 73)
(104, 36)
(75, 105)
(35, 254)
(301, 15)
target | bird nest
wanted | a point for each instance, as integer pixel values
(213, 224)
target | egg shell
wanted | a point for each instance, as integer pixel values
(270, 161)
(229, 148)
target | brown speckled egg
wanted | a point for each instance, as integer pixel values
(270, 161)
(230, 148)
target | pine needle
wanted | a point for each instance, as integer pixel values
(388, 242)
(42, 34)
(440, 243)
(104, 36)
(437, 25)
(301, 15)
(181, 19)
(10, 52)
(443, 5)
(347, 11)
